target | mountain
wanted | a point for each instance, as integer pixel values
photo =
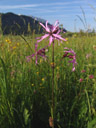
(39, 19)
(11, 23)
(19, 24)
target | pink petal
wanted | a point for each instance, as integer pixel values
(55, 25)
(71, 51)
(50, 40)
(58, 37)
(66, 48)
(32, 55)
(47, 28)
(36, 60)
(73, 69)
(58, 31)
(43, 37)
(56, 22)
(42, 25)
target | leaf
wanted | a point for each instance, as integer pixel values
(26, 116)
(92, 123)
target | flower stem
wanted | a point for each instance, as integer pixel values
(53, 83)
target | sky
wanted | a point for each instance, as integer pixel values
(70, 13)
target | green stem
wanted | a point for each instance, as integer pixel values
(53, 83)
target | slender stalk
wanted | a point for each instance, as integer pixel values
(53, 82)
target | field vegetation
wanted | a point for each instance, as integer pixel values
(26, 88)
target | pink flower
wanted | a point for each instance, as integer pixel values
(52, 32)
(91, 76)
(40, 52)
(71, 56)
(83, 71)
(80, 79)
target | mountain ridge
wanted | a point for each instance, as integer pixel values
(18, 24)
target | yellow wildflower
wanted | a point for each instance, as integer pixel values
(66, 39)
(37, 73)
(18, 44)
(32, 85)
(57, 68)
(14, 47)
(43, 79)
(8, 41)
(52, 64)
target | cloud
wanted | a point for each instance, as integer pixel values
(5, 7)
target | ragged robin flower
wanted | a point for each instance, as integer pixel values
(40, 52)
(52, 32)
(71, 55)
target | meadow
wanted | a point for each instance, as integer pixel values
(26, 88)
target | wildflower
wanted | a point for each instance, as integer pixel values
(66, 39)
(83, 71)
(28, 59)
(53, 32)
(91, 76)
(57, 68)
(41, 53)
(52, 64)
(18, 44)
(37, 73)
(32, 85)
(73, 57)
(43, 79)
(8, 41)
(80, 79)
(14, 47)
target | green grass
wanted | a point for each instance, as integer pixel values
(25, 88)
